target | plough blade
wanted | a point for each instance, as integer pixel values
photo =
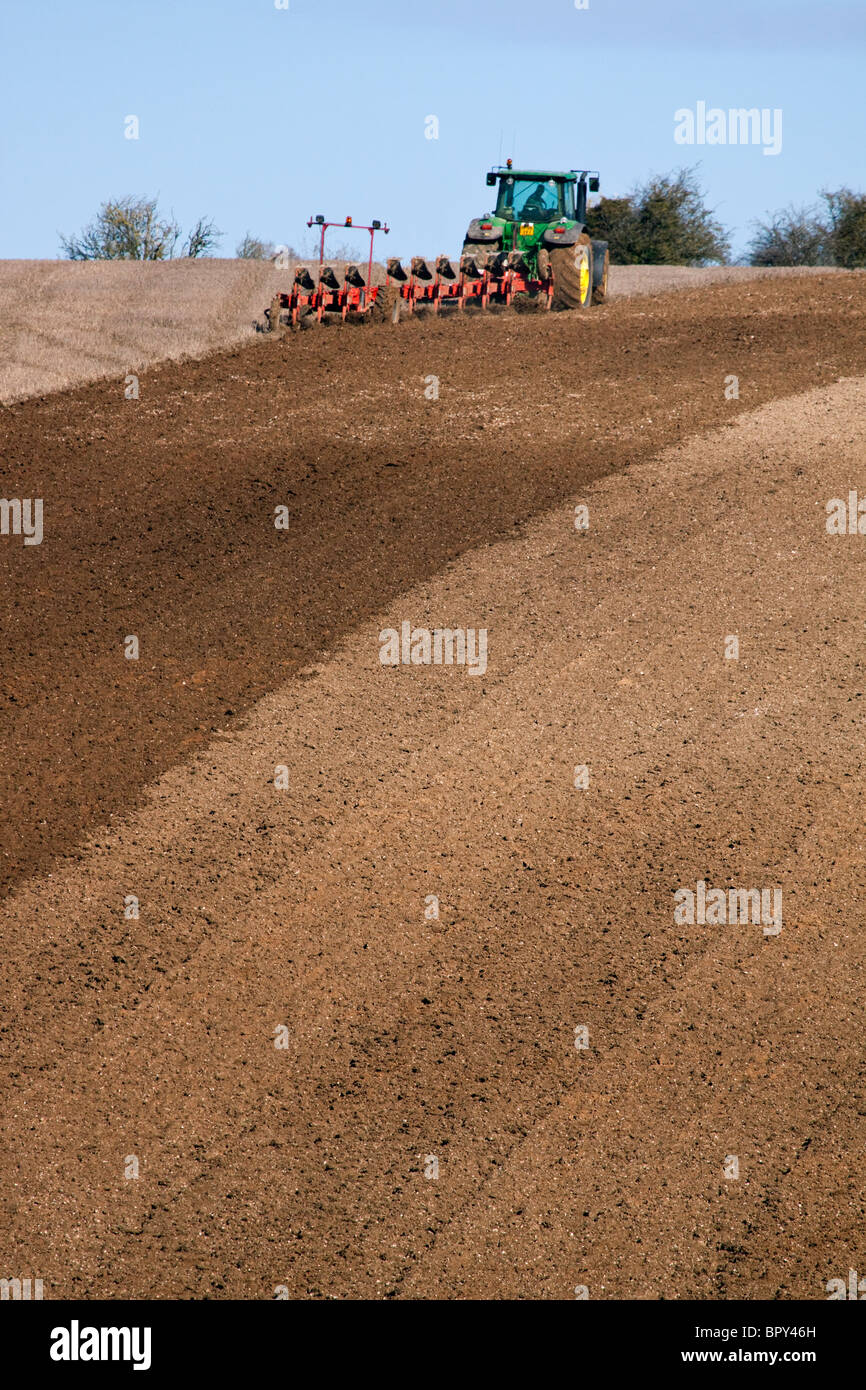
(469, 265)
(327, 300)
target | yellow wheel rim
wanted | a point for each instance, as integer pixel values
(583, 272)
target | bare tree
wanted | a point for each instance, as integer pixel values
(252, 248)
(794, 236)
(202, 239)
(133, 229)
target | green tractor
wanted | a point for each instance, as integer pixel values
(538, 230)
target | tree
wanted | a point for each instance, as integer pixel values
(252, 249)
(132, 229)
(802, 236)
(614, 220)
(794, 236)
(203, 238)
(662, 222)
(846, 227)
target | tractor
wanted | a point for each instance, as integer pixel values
(538, 230)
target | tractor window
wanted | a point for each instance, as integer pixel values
(529, 200)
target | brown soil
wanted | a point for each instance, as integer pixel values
(300, 1166)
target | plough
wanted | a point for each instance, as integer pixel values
(326, 297)
(480, 281)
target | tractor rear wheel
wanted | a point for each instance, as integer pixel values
(599, 294)
(572, 274)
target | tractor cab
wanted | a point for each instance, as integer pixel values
(541, 196)
(534, 199)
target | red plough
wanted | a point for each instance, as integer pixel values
(327, 297)
(481, 280)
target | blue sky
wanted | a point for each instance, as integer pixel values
(260, 116)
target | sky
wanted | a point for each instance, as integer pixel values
(262, 113)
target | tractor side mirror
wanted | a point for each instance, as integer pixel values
(491, 180)
(594, 184)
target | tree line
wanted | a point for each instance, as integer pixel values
(134, 229)
(664, 221)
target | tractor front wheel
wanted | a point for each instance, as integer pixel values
(572, 274)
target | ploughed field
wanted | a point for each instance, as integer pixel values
(382, 997)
